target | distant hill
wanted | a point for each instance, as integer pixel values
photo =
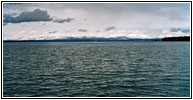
(117, 39)
(184, 38)
(88, 39)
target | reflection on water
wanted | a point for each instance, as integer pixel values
(96, 69)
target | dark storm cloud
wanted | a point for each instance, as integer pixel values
(82, 30)
(32, 16)
(180, 29)
(63, 20)
(5, 5)
(27, 16)
(110, 28)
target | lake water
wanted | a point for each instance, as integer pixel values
(96, 69)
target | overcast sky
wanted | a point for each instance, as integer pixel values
(33, 21)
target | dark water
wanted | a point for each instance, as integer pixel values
(89, 69)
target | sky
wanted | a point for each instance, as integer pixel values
(44, 21)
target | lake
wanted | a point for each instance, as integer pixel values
(96, 69)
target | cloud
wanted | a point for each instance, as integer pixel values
(110, 28)
(27, 16)
(186, 30)
(4, 24)
(173, 32)
(175, 29)
(82, 30)
(85, 19)
(133, 20)
(53, 32)
(32, 16)
(63, 20)
(180, 30)
(97, 31)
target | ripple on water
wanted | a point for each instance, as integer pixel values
(121, 69)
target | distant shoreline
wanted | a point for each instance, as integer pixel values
(185, 38)
(166, 39)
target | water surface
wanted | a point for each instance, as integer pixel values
(96, 69)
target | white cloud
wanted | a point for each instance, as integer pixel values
(144, 20)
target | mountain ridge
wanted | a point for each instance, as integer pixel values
(100, 39)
